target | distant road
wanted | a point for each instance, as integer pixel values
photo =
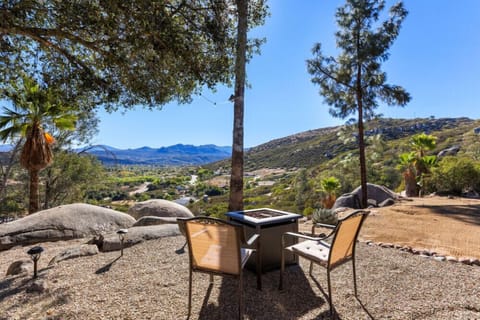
(141, 189)
(193, 179)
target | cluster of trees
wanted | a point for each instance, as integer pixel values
(418, 172)
(62, 59)
(79, 55)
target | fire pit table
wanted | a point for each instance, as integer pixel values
(270, 224)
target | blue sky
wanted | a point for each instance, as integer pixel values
(436, 59)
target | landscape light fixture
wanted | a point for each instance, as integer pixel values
(122, 233)
(35, 254)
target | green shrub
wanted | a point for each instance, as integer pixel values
(454, 175)
(308, 211)
(326, 216)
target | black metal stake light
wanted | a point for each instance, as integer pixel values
(122, 233)
(35, 254)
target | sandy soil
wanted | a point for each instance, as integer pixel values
(446, 226)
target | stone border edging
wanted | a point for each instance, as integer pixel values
(424, 253)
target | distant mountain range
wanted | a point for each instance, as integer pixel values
(176, 155)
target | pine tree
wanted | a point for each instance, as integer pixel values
(354, 82)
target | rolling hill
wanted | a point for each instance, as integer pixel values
(312, 148)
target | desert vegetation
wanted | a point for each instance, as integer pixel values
(75, 177)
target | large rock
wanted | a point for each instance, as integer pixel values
(151, 221)
(452, 151)
(377, 196)
(62, 223)
(71, 253)
(135, 235)
(159, 208)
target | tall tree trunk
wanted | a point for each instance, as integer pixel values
(34, 198)
(48, 189)
(363, 166)
(236, 178)
(411, 189)
(361, 139)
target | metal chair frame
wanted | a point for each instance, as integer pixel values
(241, 243)
(329, 262)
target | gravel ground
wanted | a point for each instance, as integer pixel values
(150, 281)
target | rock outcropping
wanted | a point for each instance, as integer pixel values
(159, 208)
(62, 223)
(378, 196)
(136, 235)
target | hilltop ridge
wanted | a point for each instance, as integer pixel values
(310, 148)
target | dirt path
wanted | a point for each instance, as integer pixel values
(140, 189)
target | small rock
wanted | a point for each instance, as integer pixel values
(439, 258)
(20, 267)
(425, 253)
(475, 262)
(451, 259)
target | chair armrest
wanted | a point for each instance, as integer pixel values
(300, 235)
(252, 239)
(323, 225)
(181, 226)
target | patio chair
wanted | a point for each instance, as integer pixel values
(217, 247)
(330, 254)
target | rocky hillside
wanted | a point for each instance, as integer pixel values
(311, 148)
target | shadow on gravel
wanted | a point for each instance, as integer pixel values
(296, 300)
(106, 267)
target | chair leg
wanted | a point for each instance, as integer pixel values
(311, 269)
(259, 266)
(354, 278)
(189, 294)
(240, 297)
(329, 292)
(211, 278)
(282, 269)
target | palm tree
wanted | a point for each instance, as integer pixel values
(330, 186)
(416, 163)
(34, 108)
(407, 164)
(421, 143)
